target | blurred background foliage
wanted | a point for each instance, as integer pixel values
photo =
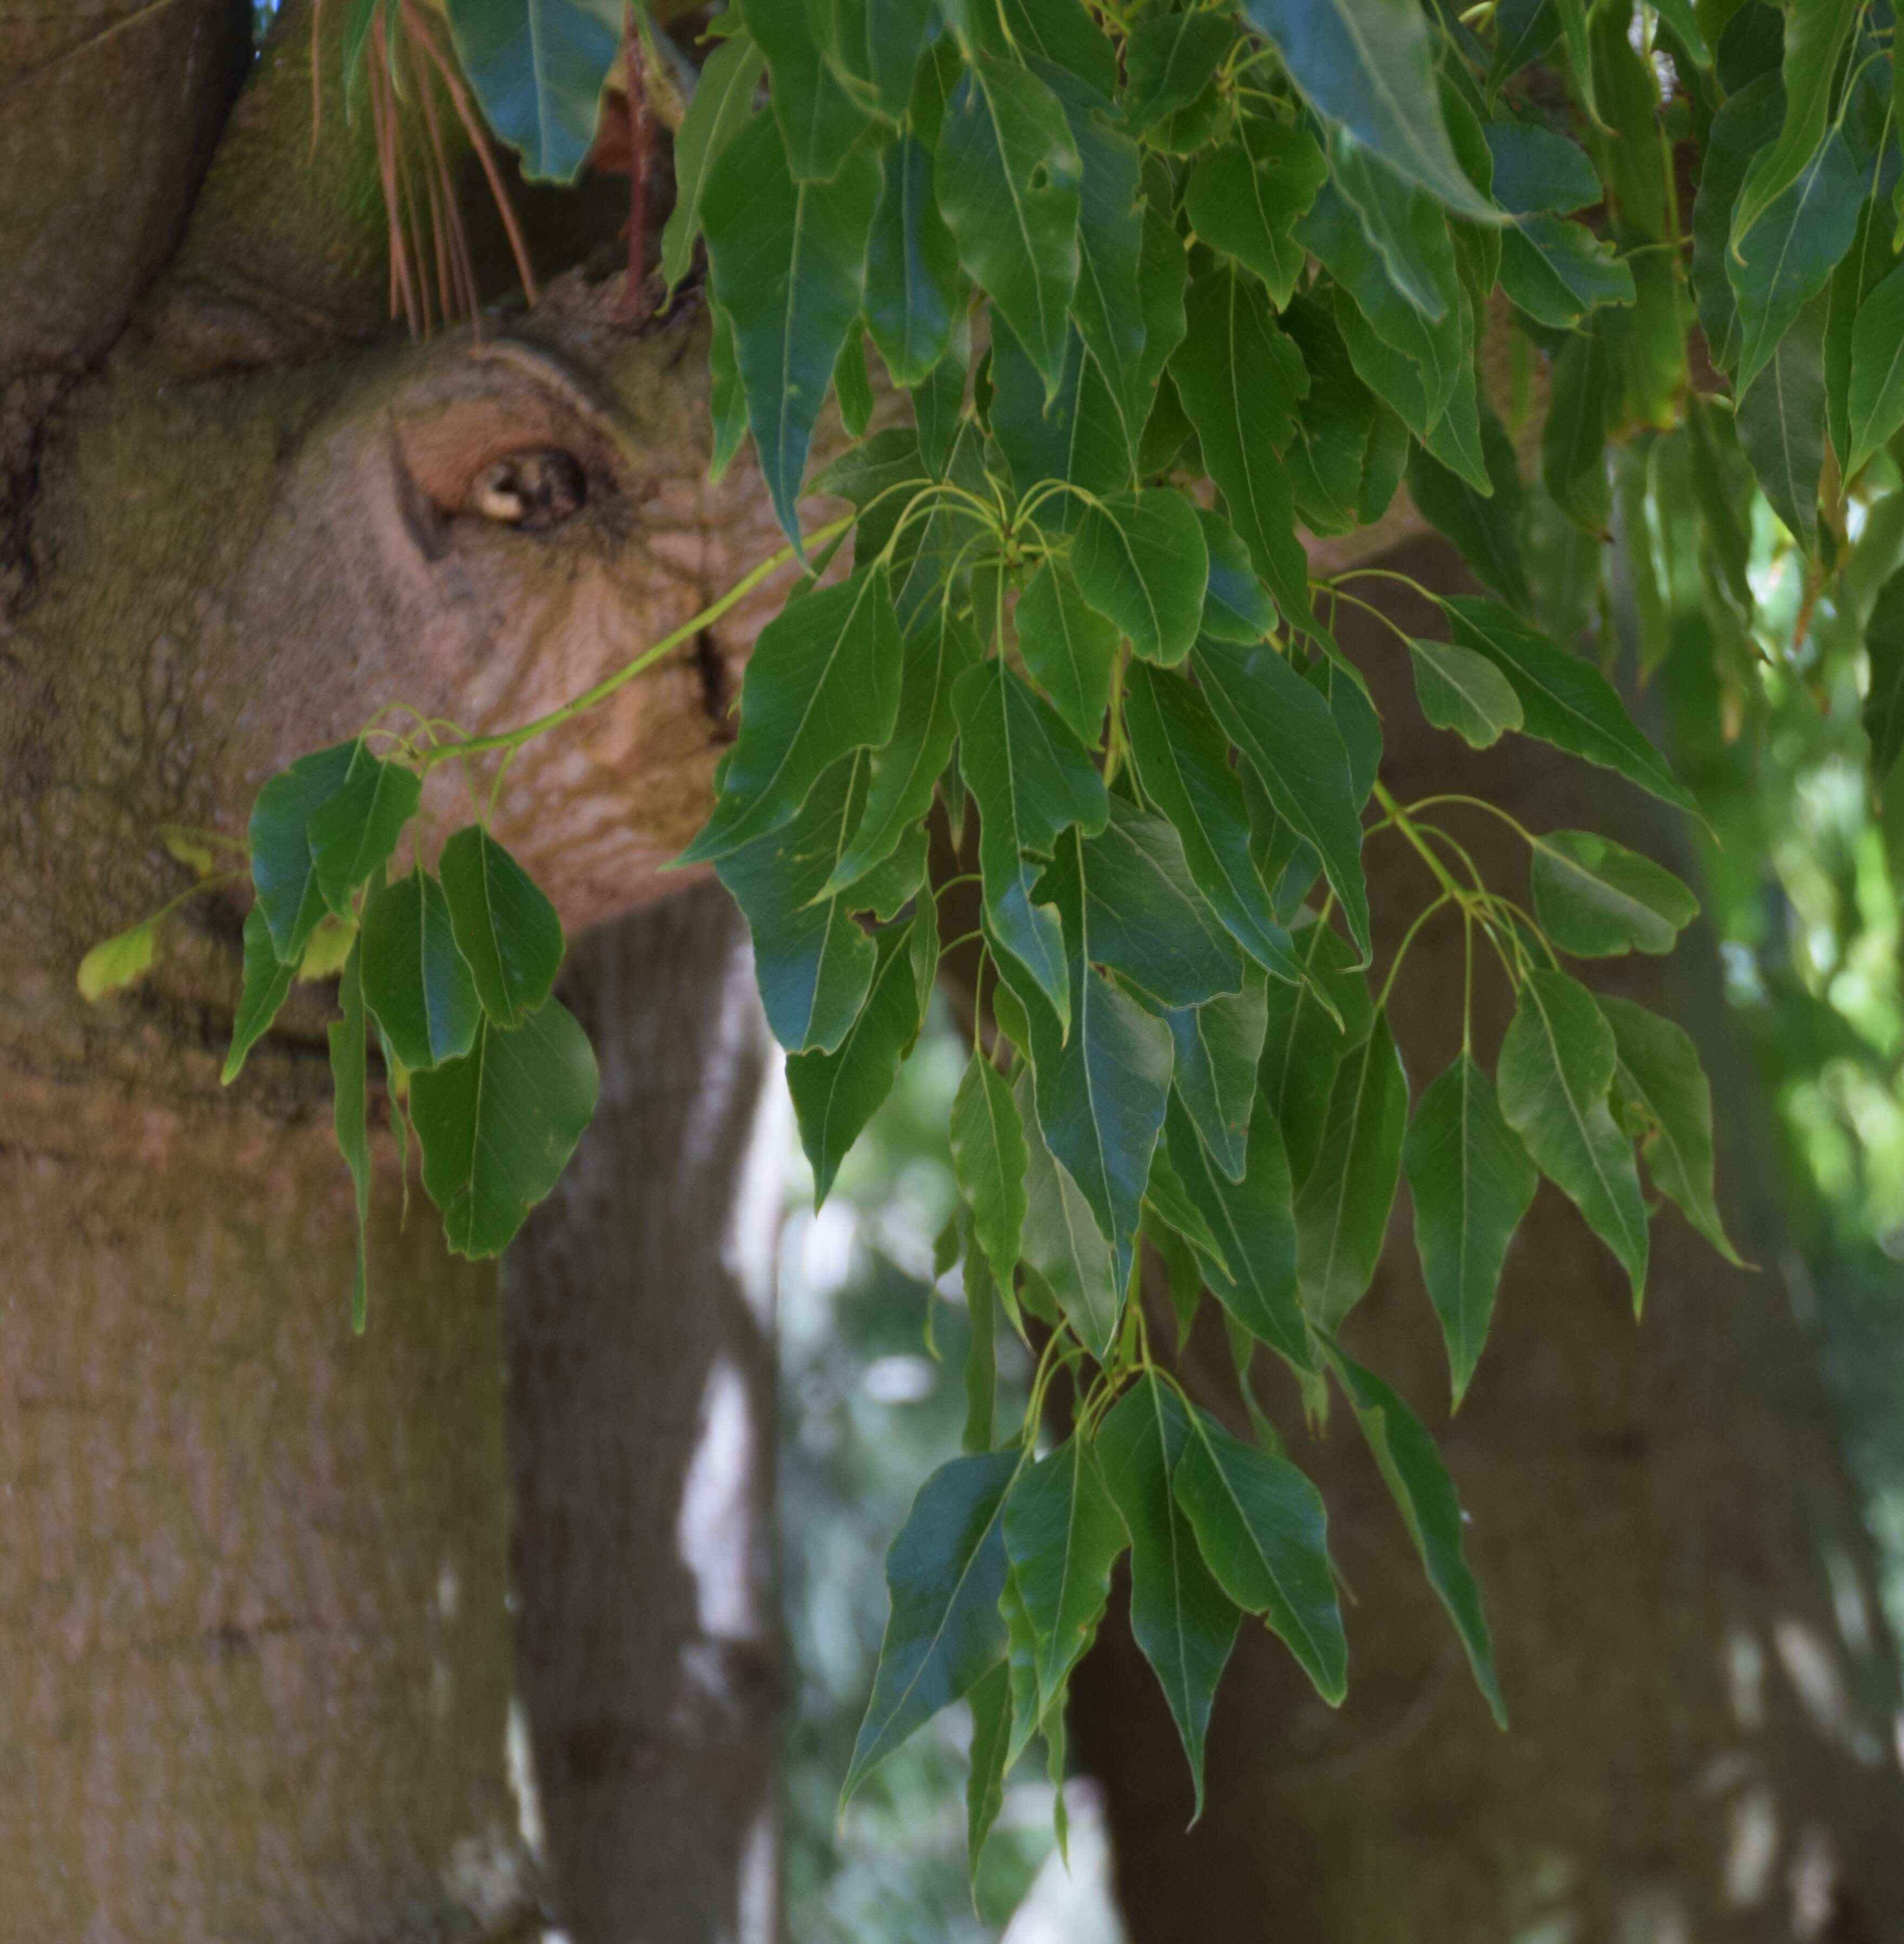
(872, 1399)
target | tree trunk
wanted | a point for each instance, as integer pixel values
(258, 1673)
(1672, 1555)
(642, 1391)
(256, 1665)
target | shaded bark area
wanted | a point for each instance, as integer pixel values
(254, 1651)
(1671, 1554)
(641, 1387)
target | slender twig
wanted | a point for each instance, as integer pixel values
(460, 101)
(633, 307)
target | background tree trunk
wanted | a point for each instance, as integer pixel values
(1680, 1589)
(641, 1389)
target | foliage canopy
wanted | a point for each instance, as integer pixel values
(1165, 287)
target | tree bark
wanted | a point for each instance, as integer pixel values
(639, 1308)
(257, 1655)
(258, 1667)
(1671, 1553)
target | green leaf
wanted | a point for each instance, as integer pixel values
(1169, 1211)
(726, 397)
(498, 1125)
(722, 101)
(1182, 757)
(940, 646)
(1815, 34)
(937, 404)
(876, 44)
(415, 980)
(1565, 701)
(349, 1088)
(1254, 1224)
(990, 1701)
(1485, 527)
(1792, 252)
(117, 962)
(819, 119)
(824, 677)
(1021, 1668)
(989, 1162)
(1523, 31)
(1145, 916)
(836, 1093)
(812, 963)
(1782, 420)
(505, 927)
(1341, 1207)
(1031, 779)
(1261, 1528)
(1408, 229)
(1556, 1066)
(1079, 436)
(1234, 607)
(1184, 1622)
(1659, 1075)
(1573, 439)
(1101, 1087)
(852, 386)
(1557, 271)
(1745, 126)
(1677, 16)
(1062, 1240)
(538, 68)
(1311, 1029)
(356, 830)
(1327, 457)
(1463, 691)
(788, 263)
(1472, 1182)
(1877, 386)
(982, 1352)
(1884, 702)
(1287, 734)
(1414, 365)
(1241, 379)
(1061, 32)
(1063, 1533)
(282, 867)
(1107, 305)
(1871, 259)
(1218, 1045)
(1246, 196)
(1424, 1494)
(1162, 275)
(945, 1574)
(1069, 647)
(1008, 176)
(267, 983)
(1536, 171)
(329, 947)
(1140, 559)
(1168, 62)
(1596, 899)
(913, 280)
(1369, 64)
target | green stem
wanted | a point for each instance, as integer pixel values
(514, 739)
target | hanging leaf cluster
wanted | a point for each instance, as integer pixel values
(1119, 305)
